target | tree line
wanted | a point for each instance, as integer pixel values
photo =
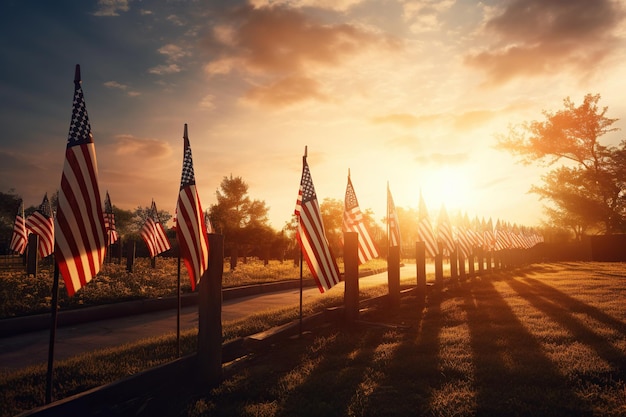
(585, 192)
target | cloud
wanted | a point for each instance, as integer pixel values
(151, 149)
(286, 91)
(164, 69)
(537, 37)
(111, 7)
(442, 159)
(406, 120)
(281, 47)
(123, 87)
(462, 121)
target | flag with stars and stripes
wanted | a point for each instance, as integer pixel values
(153, 233)
(444, 232)
(190, 226)
(41, 223)
(80, 242)
(109, 220)
(19, 239)
(311, 235)
(425, 231)
(392, 221)
(353, 221)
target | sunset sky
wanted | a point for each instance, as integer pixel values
(406, 92)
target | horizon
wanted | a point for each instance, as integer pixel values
(406, 94)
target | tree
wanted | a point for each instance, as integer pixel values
(242, 221)
(9, 204)
(587, 191)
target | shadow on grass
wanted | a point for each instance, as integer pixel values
(407, 370)
(561, 308)
(513, 376)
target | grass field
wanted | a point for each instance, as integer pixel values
(549, 340)
(546, 340)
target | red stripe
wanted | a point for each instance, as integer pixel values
(79, 220)
(191, 234)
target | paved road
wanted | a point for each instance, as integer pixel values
(23, 350)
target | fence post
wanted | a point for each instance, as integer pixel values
(454, 263)
(393, 276)
(130, 255)
(210, 314)
(351, 275)
(439, 266)
(420, 262)
(32, 253)
(470, 263)
(462, 275)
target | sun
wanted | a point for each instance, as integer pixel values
(450, 186)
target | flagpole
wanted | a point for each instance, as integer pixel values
(53, 330)
(178, 313)
(301, 257)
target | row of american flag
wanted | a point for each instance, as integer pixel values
(84, 227)
(465, 237)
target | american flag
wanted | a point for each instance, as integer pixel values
(190, 227)
(489, 237)
(311, 234)
(464, 236)
(41, 223)
(444, 231)
(207, 222)
(109, 220)
(19, 239)
(425, 231)
(80, 233)
(153, 233)
(392, 221)
(353, 222)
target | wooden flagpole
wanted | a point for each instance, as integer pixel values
(53, 330)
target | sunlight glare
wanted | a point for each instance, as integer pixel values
(450, 186)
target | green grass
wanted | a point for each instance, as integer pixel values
(547, 340)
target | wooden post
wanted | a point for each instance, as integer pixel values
(32, 254)
(393, 276)
(130, 256)
(462, 275)
(210, 315)
(439, 266)
(481, 260)
(454, 266)
(351, 275)
(234, 254)
(470, 264)
(420, 262)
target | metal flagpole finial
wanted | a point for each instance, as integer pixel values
(77, 74)
(185, 132)
(306, 151)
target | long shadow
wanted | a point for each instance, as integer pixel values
(329, 387)
(574, 305)
(412, 372)
(559, 307)
(513, 376)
